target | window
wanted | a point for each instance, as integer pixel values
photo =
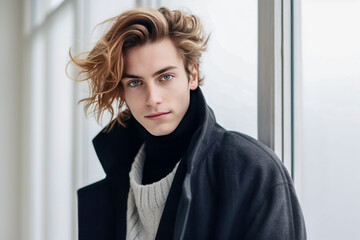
(50, 198)
(329, 114)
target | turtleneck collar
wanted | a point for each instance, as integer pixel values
(163, 152)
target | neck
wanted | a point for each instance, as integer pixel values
(163, 152)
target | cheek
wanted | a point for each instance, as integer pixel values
(130, 102)
(179, 96)
(181, 86)
(182, 99)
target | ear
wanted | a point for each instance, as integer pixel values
(193, 81)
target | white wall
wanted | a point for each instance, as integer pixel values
(331, 118)
(10, 115)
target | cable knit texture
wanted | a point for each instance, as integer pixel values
(145, 202)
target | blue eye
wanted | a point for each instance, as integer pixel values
(166, 77)
(134, 83)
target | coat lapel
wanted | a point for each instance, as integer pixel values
(116, 151)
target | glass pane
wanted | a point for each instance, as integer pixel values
(100, 11)
(230, 63)
(37, 136)
(60, 105)
(331, 118)
(37, 12)
(54, 4)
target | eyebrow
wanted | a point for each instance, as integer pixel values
(125, 75)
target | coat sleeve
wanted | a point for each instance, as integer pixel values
(279, 217)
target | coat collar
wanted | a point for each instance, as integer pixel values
(118, 147)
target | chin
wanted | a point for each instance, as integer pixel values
(161, 131)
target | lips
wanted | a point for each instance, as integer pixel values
(156, 114)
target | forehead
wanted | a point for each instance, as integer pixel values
(152, 57)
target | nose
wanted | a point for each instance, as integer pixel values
(153, 95)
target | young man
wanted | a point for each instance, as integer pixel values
(171, 171)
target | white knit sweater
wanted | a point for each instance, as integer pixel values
(145, 202)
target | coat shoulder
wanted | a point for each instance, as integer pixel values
(252, 188)
(96, 186)
(249, 157)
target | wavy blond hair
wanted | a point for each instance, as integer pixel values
(103, 66)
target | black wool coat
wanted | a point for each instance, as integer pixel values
(227, 186)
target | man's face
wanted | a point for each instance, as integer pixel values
(156, 86)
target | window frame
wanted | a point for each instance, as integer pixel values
(276, 81)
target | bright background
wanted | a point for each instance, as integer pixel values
(331, 118)
(46, 152)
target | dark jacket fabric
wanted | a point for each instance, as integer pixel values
(227, 186)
